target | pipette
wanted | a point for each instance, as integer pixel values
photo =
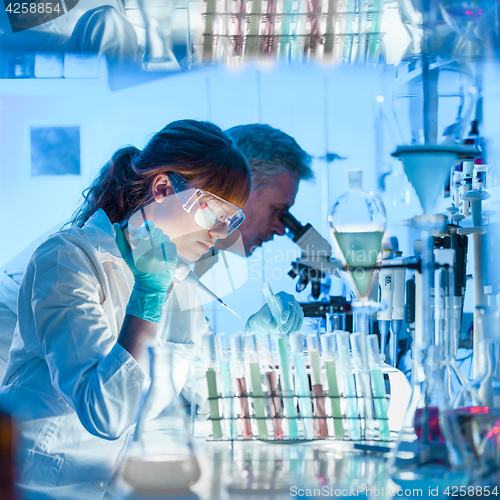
(238, 363)
(287, 384)
(258, 396)
(221, 340)
(378, 386)
(313, 347)
(183, 269)
(344, 364)
(211, 360)
(302, 382)
(329, 349)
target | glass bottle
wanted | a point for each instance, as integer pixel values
(160, 458)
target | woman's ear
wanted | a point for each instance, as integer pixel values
(162, 187)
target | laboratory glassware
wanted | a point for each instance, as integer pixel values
(357, 223)
(209, 352)
(335, 321)
(329, 357)
(237, 354)
(345, 373)
(302, 383)
(319, 400)
(363, 382)
(484, 390)
(311, 326)
(272, 385)
(160, 458)
(258, 395)
(378, 387)
(227, 385)
(157, 18)
(287, 387)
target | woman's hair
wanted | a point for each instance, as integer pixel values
(198, 151)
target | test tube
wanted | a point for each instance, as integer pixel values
(302, 382)
(313, 347)
(378, 387)
(287, 383)
(258, 396)
(211, 360)
(272, 386)
(238, 364)
(225, 372)
(364, 377)
(329, 349)
(345, 369)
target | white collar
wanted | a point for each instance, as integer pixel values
(101, 233)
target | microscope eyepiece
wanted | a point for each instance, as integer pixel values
(294, 227)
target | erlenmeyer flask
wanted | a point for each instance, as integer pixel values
(484, 390)
(357, 225)
(160, 458)
(431, 450)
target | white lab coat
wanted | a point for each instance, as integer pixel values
(73, 390)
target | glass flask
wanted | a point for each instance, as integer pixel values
(160, 458)
(484, 390)
(357, 225)
(431, 450)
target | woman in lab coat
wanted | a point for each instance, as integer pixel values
(87, 304)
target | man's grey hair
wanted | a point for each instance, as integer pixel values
(270, 153)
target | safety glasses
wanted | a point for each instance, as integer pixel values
(208, 210)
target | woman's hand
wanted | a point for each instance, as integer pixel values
(291, 316)
(153, 262)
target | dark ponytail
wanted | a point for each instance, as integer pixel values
(199, 151)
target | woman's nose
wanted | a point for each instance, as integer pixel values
(218, 232)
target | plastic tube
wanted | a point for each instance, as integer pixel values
(211, 360)
(225, 372)
(302, 382)
(345, 371)
(258, 396)
(238, 365)
(287, 388)
(272, 386)
(313, 347)
(329, 350)
(386, 288)
(378, 387)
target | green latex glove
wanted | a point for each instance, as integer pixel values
(291, 318)
(153, 269)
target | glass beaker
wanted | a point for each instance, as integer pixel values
(160, 458)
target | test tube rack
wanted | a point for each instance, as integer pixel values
(236, 31)
(271, 419)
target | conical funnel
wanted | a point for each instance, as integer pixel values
(427, 167)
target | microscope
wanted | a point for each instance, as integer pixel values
(315, 266)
